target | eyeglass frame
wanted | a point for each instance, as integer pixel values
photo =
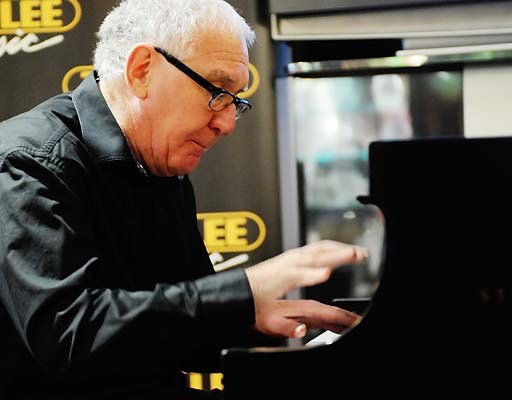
(241, 105)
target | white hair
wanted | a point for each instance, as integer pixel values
(173, 25)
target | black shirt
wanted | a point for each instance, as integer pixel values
(105, 283)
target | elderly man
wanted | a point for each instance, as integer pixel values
(106, 288)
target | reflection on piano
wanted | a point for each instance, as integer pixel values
(439, 325)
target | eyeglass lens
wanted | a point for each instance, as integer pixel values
(223, 100)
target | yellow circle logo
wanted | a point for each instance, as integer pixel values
(255, 83)
(81, 72)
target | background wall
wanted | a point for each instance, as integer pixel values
(487, 100)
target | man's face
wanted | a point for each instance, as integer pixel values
(174, 124)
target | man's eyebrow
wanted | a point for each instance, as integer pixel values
(224, 78)
(219, 75)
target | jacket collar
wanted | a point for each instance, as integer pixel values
(100, 131)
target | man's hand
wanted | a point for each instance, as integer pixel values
(304, 266)
(292, 318)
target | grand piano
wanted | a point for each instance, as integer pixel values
(439, 325)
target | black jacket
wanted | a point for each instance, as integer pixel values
(105, 283)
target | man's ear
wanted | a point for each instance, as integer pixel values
(137, 70)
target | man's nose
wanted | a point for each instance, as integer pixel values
(224, 121)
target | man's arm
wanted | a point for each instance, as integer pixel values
(48, 263)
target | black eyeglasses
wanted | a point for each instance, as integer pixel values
(220, 98)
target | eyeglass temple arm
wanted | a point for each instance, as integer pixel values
(192, 74)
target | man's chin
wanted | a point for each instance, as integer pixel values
(189, 166)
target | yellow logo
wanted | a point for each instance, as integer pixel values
(81, 72)
(24, 19)
(232, 232)
(254, 85)
(38, 16)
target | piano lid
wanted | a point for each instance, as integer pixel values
(440, 322)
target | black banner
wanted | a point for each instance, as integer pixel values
(46, 47)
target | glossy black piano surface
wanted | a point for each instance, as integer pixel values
(439, 325)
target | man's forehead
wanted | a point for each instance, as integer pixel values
(223, 77)
(228, 49)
